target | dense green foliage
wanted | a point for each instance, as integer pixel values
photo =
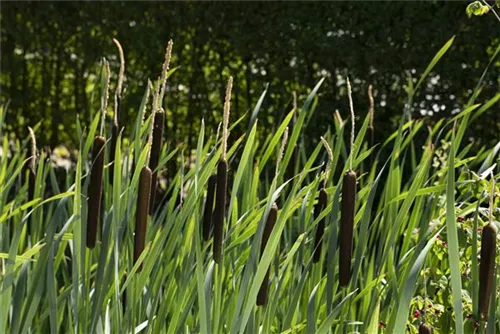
(50, 52)
(418, 218)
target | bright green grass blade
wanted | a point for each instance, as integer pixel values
(433, 62)
(408, 286)
(454, 251)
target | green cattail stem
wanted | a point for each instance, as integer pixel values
(141, 216)
(271, 221)
(487, 267)
(95, 190)
(346, 226)
(209, 204)
(320, 206)
(220, 209)
(155, 153)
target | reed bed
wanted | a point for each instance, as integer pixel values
(401, 239)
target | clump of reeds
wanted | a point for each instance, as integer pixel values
(424, 329)
(141, 215)
(347, 212)
(221, 188)
(95, 189)
(268, 228)
(159, 120)
(115, 126)
(209, 204)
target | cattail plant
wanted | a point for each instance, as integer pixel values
(424, 329)
(95, 189)
(97, 170)
(487, 262)
(209, 203)
(268, 228)
(347, 208)
(220, 194)
(159, 120)
(321, 204)
(141, 215)
(115, 126)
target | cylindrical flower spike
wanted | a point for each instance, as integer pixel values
(271, 221)
(487, 267)
(141, 215)
(424, 329)
(346, 226)
(114, 138)
(95, 190)
(209, 204)
(220, 209)
(155, 153)
(320, 206)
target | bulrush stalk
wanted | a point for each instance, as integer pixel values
(159, 120)
(346, 226)
(209, 204)
(221, 187)
(487, 267)
(318, 208)
(220, 209)
(95, 189)
(347, 207)
(424, 329)
(271, 221)
(118, 92)
(141, 215)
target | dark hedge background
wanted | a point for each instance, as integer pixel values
(50, 53)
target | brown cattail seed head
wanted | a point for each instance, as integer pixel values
(220, 209)
(209, 204)
(114, 138)
(320, 206)
(141, 215)
(155, 152)
(346, 226)
(31, 184)
(271, 221)
(487, 267)
(95, 190)
(424, 329)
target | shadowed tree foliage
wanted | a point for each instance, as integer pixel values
(51, 52)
